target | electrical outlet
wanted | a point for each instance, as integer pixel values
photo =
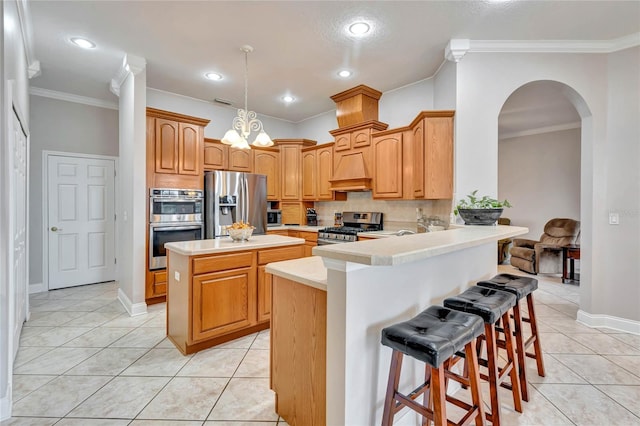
(614, 219)
(176, 275)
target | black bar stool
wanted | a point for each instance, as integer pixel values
(434, 336)
(493, 306)
(521, 287)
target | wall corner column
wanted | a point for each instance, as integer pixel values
(130, 84)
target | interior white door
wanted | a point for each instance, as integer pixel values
(81, 221)
(19, 228)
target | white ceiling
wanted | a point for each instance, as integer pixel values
(299, 46)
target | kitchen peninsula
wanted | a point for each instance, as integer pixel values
(218, 289)
(345, 295)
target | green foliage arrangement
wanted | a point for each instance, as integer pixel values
(472, 201)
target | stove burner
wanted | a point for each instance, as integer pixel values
(354, 223)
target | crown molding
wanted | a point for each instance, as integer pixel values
(130, 64)
(69, 97)
(457, 48)
(541, 130)
(24, 15)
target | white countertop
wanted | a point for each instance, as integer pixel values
(226, 244)
(307, 270)
(411, 248)
(295, 228)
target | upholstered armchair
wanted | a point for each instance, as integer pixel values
(545, 256)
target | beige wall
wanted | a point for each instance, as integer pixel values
(67, 127)
(540, 176)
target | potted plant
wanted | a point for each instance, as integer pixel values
(480, 211)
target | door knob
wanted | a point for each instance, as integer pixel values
(55, 228)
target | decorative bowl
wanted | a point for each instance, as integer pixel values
(480, 216)
(242, 234)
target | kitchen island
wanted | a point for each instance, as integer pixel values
(218, 289)
(367, 286)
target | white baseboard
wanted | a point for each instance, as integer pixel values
(607, 321)
(37, 288)
(132, 309)
(5, 406)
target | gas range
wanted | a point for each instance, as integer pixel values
(354, 223)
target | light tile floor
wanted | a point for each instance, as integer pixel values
(83, 361)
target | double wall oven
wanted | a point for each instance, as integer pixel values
(174, 215)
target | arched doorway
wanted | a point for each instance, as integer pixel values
(543, 127)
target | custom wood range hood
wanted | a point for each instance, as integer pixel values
(357, 115)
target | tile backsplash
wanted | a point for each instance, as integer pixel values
(397, 214)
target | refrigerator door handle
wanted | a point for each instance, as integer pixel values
(245, 194)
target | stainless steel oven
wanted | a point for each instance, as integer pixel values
(162, 233)
(174, 215)
(175, 205)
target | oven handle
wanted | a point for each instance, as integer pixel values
(329, 241)
(175, 228)
(176, 200)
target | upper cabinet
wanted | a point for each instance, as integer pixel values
(241, 160)
(317, 169)
(432, 143)
(266, 161)
(291, 166)
(175, 147)
(387, 164)
(216, 155)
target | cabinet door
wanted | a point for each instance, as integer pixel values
(264, 294)
(166, 145)
(241, 160)
(387, 166)
(417, 140)
(268, 163)
(343, 142)
(216, 156)
(309, 175)
(324, 167)
(292, 213)
(291, 173)
(438, 157)
(189, 149)
(361, 138)
(223, 302)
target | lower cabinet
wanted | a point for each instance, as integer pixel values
(214, 298)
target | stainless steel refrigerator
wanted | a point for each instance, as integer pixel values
(231, 197)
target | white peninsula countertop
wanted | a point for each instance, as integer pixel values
(410, 248)
(226, 244)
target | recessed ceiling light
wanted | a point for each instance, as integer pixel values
(344, 73)
(83, 42)
(359, 28)
(213, 76)
(288, 99)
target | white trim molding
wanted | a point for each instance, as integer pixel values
(130, 64)
(457, 48)
(132, 309)
(33, 65)
(541, 130)
(608, 321)
(69, 97)
(37, 288)
(5, 405)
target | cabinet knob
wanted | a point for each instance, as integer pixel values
(55, 229)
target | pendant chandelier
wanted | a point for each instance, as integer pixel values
(246, 121)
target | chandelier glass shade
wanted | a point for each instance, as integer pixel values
(246, 121)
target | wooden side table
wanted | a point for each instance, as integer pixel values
(570, 253)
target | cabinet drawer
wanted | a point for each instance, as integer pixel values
(160, 283)
(309, 236)
(222, 262)
(276, 255)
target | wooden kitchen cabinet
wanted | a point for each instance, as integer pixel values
(295, 212)
(291, 168)
(266, 161)
(241, 160)
(216, 155)
(310, 238)
(432, 142)
(177, 143)
(388, 164)
(214, 298)
(223, 302)
(317, 169)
